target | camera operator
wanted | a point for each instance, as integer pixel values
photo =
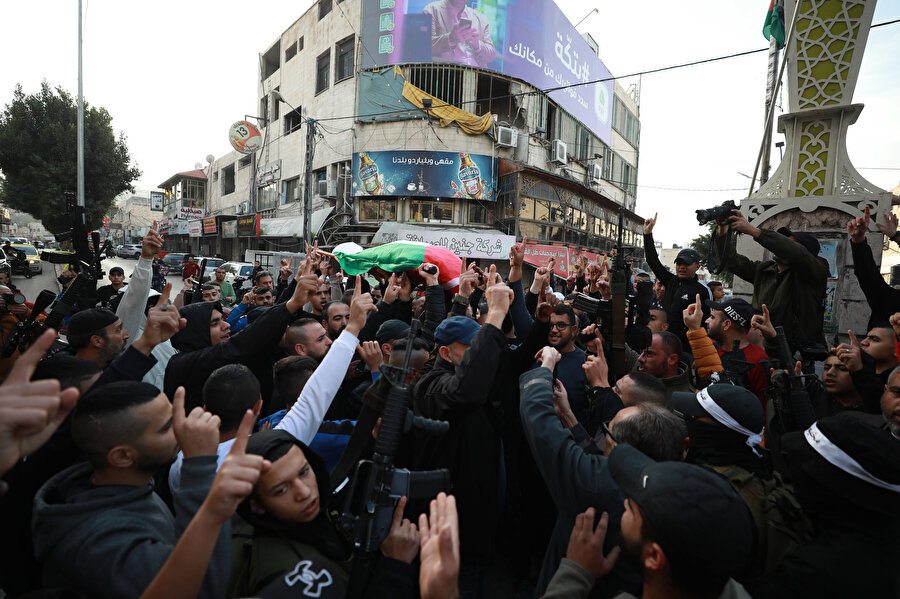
(13, 310)
(682, 287)
(792, 284)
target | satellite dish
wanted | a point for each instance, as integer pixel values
(210, 158)
(198, 166)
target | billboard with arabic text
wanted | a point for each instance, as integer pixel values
(423, 173)
(531, 40)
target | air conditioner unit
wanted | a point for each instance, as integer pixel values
(328, 188)
(596, 173)
(508, 137)
(243, 208)
(560, 153)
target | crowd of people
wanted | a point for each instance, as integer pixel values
(195, 444)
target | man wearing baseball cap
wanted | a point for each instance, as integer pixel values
(683, 526)
(682, 287)
(792, 284)
(725, 424)
(116, 285)
(457, 390)
(729, 321)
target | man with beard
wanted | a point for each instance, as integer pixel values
(792, 285)
(335, 316)
(306, 337)
(227, 289)
(890, 403)
(570, 376)
(102, 517)
(98, 335)
(684, 528)
(728, 322)
(662, 359)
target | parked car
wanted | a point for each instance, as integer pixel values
(175, 262)
(242, 270)
(32, 256)
(39, 245)
(130, 250)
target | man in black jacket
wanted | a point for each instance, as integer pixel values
(458, 390)
(883, 299)
(682, 287)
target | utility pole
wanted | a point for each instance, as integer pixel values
(770, 99)
(308, 177)
(80, 199)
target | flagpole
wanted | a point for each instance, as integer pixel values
(770, 99)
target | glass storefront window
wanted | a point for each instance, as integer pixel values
(431, 212)
(478, 214)
(378, 209)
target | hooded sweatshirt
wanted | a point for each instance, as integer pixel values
(266, 547)
(111, 540)
(197, 359)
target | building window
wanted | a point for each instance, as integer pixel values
(426, 211)
(378, 209)
(324, 8)
(290, 52)
(271, 61)
(323, 65)
(479, 215)
(244, 162)
(343, 59)
(443, 82)
(292, 190)
(300, 43)
(276, 104)
(215, 176)
(267, 197)
(492, 97)
(292, 121)
(227, 180)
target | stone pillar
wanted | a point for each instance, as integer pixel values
(815, 188)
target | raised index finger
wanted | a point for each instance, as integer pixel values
(164, 296)
(853, 340)
(27, 362)
(178, 415)
(357, 288)
(243, 434)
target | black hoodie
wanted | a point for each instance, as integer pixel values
(267, 547)
(197, 359)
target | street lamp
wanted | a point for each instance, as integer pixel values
(307, 174)
(779, 145)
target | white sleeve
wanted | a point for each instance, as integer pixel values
(134, 300)
(305, 416)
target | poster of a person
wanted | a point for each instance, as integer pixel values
(459, 34)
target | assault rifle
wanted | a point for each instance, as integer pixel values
(377, 485)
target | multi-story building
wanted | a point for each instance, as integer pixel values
(133, 215)
(399, 140)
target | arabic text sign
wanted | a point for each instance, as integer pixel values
(465, 244)
(196, 228)
(188, 213)
(156, 201)
(422, 173)
(539, 255)
(528, 39)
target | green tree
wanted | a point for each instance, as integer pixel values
(38, 157)
(701, 244)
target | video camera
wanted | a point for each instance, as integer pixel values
(719, 214)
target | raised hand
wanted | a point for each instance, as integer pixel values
(439, 538)
(586, 544)
(402, 543)
(370, 352)
(649, 224)
(430, 279)
(763, 323)
(859, 226)
(360, 306)
(693, 315)
(849, 353)
(163, 321)
(548, 356)
(740, 224)
(561, 405)
(151, 244)
(516, 258)
(30, 411)
(392, 290)
(595, 345)
(499, 298)
(198, 432)
(238, 474)
(889, 228)
(596, 369)
(306, 287)
(895, 323)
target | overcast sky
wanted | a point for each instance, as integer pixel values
(176, 75)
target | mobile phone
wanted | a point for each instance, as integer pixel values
(464, 22)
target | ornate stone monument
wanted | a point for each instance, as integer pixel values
(815, 188)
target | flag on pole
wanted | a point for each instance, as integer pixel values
(400, 256)
(774, 25)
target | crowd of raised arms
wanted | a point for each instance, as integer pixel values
(678, 442)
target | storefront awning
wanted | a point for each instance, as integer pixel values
(317, 219)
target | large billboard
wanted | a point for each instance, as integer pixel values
(531, 40)
(422, 173)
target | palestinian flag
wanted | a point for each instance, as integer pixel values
(400, 256)
(774, 25)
